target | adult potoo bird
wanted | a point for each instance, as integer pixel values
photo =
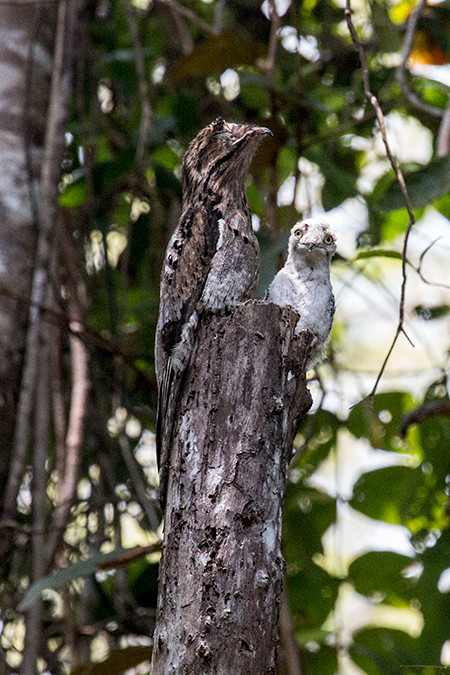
(304, 281)
(212, 259)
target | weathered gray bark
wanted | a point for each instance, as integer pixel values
(221, 572)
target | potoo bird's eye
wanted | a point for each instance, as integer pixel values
(298, 233)
(328, 239)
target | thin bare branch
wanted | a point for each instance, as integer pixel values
(401, 74)
(66, 485)
(268, 64)
(185, 38)
(419, 268)
(131, 555)
(434, 667)
(424, 412)
(28, 2)
(218, 16)
(189, 14)
(443, 137)
(400, 179)
(84, 332)
(288, 641)
(148, 506)
(146, 111)
(59, 416)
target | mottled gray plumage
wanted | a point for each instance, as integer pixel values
(212, 259)
(304, 281)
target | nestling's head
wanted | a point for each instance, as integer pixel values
(312, 238)
(220, 151)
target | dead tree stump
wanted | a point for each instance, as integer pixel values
(221, 571)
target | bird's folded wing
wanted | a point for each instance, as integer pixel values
(186, 268)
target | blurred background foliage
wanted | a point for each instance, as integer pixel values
(366, 522)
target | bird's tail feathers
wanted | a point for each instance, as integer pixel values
(168, 399)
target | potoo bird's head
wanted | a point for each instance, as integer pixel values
(221, 151)
(312, 238)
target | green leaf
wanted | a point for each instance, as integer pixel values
(339, 183)
(396, 222)
(381, 571)
(391, 494)
(424, 186)
(430, 313)
(324, 661)
(380, 424)
(84, 568)
(74, 194)
(216, 55)
(380, 651)
(377, 253)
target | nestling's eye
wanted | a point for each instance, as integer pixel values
(298, 233)
(328, 239)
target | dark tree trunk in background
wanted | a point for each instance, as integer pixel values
(26, 44)
(221, 572)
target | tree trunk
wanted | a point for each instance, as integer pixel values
(26, 42)
(221, 571)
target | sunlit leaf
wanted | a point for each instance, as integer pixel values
(424, 186)
(74, 195)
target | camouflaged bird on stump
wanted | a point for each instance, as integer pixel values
(232, 393)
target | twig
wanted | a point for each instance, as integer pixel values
(153, 516)
(189, 14)
(58, 408)
(83, 331)
(65, 487)
(443, 137)
(290, 652)
(400, 73)
(419, 268)
(218, 16)
(400, 179)
(132, 554)
(425, 666)
(185, 38)
(424, 412)
(146, 111)
(28, 2)
(268, 64)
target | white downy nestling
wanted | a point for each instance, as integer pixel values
(304, 281)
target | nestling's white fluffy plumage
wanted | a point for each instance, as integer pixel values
(304, 281)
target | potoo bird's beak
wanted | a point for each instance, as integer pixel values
(263, 130)
(254, 131)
